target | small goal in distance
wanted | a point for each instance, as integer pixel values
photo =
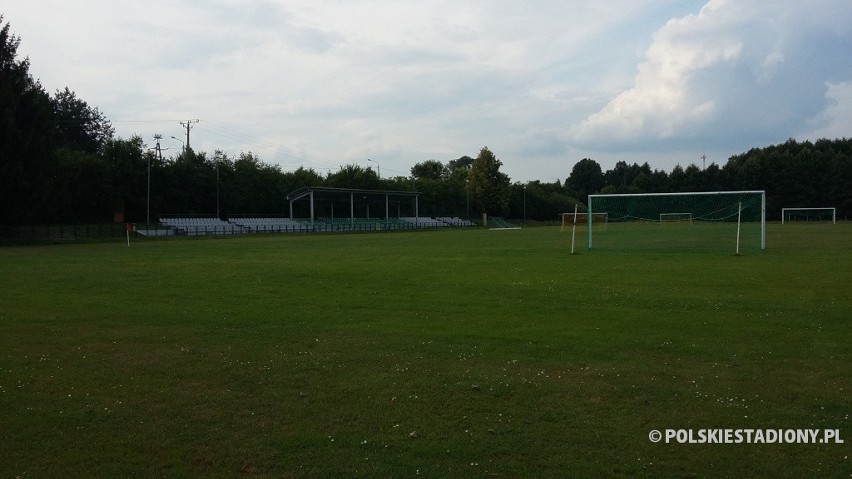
(581, 218)
(790, 215)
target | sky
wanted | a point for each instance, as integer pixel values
(386, 84)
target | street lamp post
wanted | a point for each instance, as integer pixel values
(182, 145)
(378, 168)
(148, 201)
(216, 159)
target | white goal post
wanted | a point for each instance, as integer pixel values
(746, 210)
(789, 214)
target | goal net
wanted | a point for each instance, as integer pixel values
(723, 221)
(790, 215)
(675, 217)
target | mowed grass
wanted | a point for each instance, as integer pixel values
(425, 354)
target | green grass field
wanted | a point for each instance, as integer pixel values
(424, 354)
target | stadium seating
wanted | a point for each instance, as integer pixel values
(192, 226)
(424, 222)
(437, 222)
(270, 225)
(201, 226)
(455, 221)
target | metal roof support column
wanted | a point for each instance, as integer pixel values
(387, 219)
(312, 207)
(352, 209)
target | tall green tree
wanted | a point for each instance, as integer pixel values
(489, 187)
(79, 126)
(463, 163)
(193, 177)
(301, 178)
(129, 177)
(431, 169)
(26, 137)
(353, 176)
(258, 188)
(586, 178)
(82, 188)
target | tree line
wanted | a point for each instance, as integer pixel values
(793, 174)
(61, 162)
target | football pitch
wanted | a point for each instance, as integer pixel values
(466, 353)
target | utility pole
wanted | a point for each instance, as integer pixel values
(703, 161)
(157, 137)
(188, 125)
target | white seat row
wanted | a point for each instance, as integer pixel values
(202, 226)
(264, 221)
(455, 221)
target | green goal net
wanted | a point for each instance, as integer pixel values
(722, 221)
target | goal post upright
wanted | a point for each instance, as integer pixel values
(763, 220)
(589, 210)
(739, 222)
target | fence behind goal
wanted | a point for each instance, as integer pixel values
(723, 221)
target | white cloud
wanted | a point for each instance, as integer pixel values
(737, 71)
(836, 120)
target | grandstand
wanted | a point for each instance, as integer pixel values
(206, 226)
(357, 199)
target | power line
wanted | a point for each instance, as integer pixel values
(277, 148)
(142, 121)
(274, 149)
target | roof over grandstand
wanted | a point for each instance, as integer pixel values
(307, 190)
(311, 191)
